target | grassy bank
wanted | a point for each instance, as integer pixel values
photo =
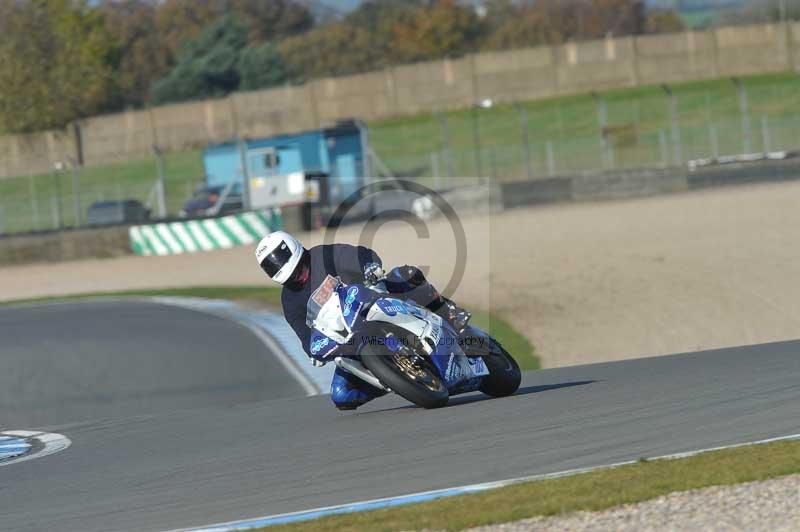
(513, 341)
(589, 491)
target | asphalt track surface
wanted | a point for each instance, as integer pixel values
(192, 467)
(102, 359)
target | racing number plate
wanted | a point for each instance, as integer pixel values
(323, 293)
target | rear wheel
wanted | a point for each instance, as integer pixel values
(504, 374)
(401, 368)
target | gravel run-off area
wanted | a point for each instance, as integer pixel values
(771, 505)
(584, 282)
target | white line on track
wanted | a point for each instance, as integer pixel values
(52, 443)
(375, 504)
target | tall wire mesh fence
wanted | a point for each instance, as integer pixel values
(62, 198)
(656, 149)
(654, 127)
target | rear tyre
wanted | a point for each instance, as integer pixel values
(408, 375)
(504, 374)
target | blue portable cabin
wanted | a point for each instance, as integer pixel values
(338, 152)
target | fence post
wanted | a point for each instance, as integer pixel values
(34, 202)
(245, 173)
(448, 159)
(551, 159)
(189, 186)
(662, 145)
(476, 141)
(744, 109)
(713, 137)
(57, 199)
(161, 194)
(526, 145)
(675, 126)
(602, 122)
(55, 212)
(76, 194)
(435, 169)
(765, 136)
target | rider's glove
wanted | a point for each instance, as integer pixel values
(373, 274)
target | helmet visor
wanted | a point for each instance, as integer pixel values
(272, 263)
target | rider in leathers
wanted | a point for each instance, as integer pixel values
(301, 271)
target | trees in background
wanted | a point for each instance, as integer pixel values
(516, 24)
(663, 21)
(440, 29)
(64, 59)
(333, 50)
(141, 58)
(57, 63)
(261, 66)
(272, 20)
(208, 65)
(379, 33)
(180, 21)
(219, 61)
(153, 37)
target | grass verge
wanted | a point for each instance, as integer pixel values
(593, 491)
(513, 341)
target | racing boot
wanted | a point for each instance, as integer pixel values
(348, 392)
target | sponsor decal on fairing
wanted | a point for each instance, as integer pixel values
(352, 292)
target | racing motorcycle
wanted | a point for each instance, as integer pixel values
(398, 346)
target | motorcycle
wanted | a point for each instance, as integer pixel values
(398, 346)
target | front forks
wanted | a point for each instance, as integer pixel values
(357, 368)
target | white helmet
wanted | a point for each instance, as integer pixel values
(278, 254)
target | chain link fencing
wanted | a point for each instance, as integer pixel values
(652, 127)
(61, 199)
(656, 128)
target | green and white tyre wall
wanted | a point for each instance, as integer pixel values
(191, 236)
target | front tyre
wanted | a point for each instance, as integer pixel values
(411, 376)
(504, 374)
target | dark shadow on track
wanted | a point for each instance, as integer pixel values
(460, 400)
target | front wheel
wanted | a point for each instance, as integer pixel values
(398, 366)
(504, 374)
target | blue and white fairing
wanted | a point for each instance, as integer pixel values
(336, 321)
(334, 318)
(460, 372)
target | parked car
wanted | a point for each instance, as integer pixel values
(395, 198)
(203, 201)
(117, 212)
